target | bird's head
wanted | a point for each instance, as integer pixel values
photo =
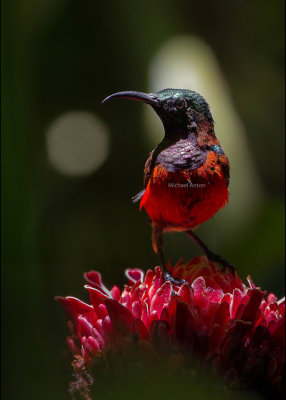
(179, 109)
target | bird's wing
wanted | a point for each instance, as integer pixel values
(182, 155)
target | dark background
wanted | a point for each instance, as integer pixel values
(61, 56)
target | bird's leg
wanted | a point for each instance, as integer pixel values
(157, 242)
(211, 255)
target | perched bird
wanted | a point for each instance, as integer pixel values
(186, 176)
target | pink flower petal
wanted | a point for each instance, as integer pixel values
(115, 293)
(236, 301)
(186, 293)
(73, 345)
(120, 317)
(199, 288)
(134, 275)
(93, 279)
(251, 310)
(136, 309)
(66, 306)
(161, 298)
(96, 296)
(85, 325)
(78, 306)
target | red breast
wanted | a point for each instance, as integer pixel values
(185, 199)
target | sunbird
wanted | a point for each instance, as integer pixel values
(186, 176)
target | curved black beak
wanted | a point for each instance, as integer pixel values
(145, 97)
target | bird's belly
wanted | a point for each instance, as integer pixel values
(178, 202)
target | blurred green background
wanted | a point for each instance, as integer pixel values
(70, 164)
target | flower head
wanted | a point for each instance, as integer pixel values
(233, 327)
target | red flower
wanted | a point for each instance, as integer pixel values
(215, 317)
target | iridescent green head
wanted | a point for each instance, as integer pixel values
(180, 108)
(180, 100)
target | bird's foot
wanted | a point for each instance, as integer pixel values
(225, 264)
(169, 277)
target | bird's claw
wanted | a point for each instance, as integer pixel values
(169, 277)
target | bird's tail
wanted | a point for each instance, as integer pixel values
(138, 196)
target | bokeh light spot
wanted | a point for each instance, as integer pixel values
(77, 143)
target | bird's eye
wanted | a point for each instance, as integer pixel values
(180, 104)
